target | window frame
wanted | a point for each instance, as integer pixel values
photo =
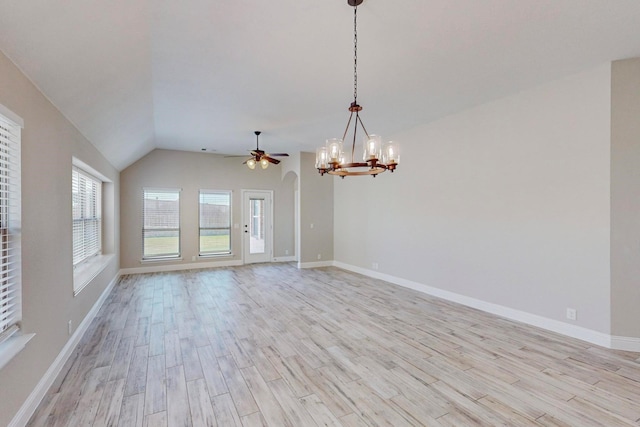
(95, 206)
(12, 338)
(10, 222)
(164, 256)
(201, 253)
(84, 272)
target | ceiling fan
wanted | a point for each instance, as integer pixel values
(259, 156)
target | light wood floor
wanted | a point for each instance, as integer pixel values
(273, 345)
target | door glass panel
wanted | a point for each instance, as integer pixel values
(256, 228)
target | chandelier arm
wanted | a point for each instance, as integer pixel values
(355, 131)
(346, 129)
(362, 124)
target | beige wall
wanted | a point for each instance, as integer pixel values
(284, 236)
(625, 198)
(506, 203)
(49, 142)
(316, 212)
(192, 172)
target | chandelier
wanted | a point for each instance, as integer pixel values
(376, 157)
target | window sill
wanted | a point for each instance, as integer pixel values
(87, 271)
(11, 347)
(160, 259)
(209, 256)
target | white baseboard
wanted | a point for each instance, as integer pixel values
(157, 268)
(30, 405)
(315, 264)
(584, 334)
(625, 343)
(285, 259)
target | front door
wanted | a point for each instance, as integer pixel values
(257, 226)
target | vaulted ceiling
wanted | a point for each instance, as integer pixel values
(133, 75)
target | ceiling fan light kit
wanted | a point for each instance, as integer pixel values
(262, 158)
(377, 157)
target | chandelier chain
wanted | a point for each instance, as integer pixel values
(355, 54)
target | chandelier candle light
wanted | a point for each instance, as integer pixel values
(377, 158)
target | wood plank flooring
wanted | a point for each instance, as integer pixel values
(271, 345)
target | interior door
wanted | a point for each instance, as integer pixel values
(257, 226)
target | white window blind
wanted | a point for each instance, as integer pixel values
(87, 216)
(215, 222)
(161, 223)
(10, 265)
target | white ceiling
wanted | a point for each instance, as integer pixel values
(133, 75)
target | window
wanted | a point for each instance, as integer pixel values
(160, 224)
(92, 207)
(215, 222)
(86, 193)
(10, 263)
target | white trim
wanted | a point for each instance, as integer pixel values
(298, 232)
(214, 256)
(12, 340)
(178, 267)
(317, 264)
(209, 190)
(625, 343)
(89, 170)
(287, 258)
(245, 221)
(30, 405)
(584, 334)
(162, 189)
(12, 346)
(161, 259)
(86, 271)
(230, 192)
(10, 115)
(6, 334)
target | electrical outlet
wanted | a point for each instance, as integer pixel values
(286, 251)
(319, 256)
(311, 225)
(193, 258)
(70, 327)
(374, 265)
(572, 314)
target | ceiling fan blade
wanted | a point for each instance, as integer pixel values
(279, 154)
(257, 153)
(274, 161)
